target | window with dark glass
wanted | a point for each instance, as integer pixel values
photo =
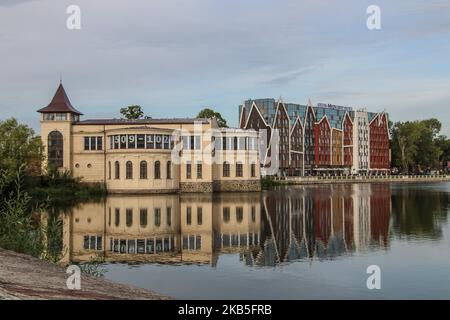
(116, 142)
(131, 141)
(192, 142)
(253, 170)
(143, 217)
(116, 170)
(123, 142)
(226, 169)
(188, 170)
(150, 141)
(93, 143)
(239, 169)
(188, 215)
(157, 170)
(169, 170)
(239, 214)
(109, 170)
(129, 217)
(199, 170)
(166, 140)
(199, 216)
(86, 143)
(158, 141)
(143, 169)
(140, 143)
(253, 213)
(169, 216)
(157, 217)
(117, 217)
(129, 170)
(226, 214)
(56, 149)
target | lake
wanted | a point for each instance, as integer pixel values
(296, 242)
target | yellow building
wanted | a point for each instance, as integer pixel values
(149, 155)
(188, 228)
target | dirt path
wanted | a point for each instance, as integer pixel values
(25, 277)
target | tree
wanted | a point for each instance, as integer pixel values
(404, 145)
(132, 112)
(443, 143)
(209, 113)
(19, 146)
(417, 146)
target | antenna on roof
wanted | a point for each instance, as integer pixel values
(60, 78)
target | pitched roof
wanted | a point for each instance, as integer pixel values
(60, 103)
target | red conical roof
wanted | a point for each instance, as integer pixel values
(60, 103)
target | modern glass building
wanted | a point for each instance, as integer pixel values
(321, 139)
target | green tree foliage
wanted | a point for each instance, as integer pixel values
(132, 112)
(19, 146)
(208, 113)
(417, 146)
(18, 229)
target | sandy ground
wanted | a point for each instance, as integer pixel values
(25, 277)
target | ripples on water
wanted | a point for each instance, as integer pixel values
(293, 243)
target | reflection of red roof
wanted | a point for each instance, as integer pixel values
(60, 103)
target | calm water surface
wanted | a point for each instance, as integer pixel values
(290, 243)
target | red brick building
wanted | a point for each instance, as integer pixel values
(379, 146)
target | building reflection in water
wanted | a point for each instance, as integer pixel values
(323, 222)
(264, 228)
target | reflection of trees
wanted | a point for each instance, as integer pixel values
(54, 235)
(419, 213)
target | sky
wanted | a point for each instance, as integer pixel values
(174, 57)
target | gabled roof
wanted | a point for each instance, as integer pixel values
(60, 103)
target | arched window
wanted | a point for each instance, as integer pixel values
(117, 170)
(129, 170)
(143, 169)
(169, 170)
(56, 149)
(157, 170)
(226, 169)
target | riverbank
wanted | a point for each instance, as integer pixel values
(360, 179)
(23, 277)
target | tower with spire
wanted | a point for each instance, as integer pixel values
(56, 127)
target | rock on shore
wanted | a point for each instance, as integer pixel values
(25, 277)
